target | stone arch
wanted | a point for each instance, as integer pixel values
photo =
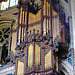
(5, 24)
(65, 7)
(62, 14)
(5, 27)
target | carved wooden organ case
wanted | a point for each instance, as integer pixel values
(38, 30)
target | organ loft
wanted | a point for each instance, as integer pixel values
(40, 39)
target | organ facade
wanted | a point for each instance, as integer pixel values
(40, 39)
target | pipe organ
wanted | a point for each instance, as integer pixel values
(39, 32)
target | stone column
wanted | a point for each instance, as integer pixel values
(70, 25)
(0, 53)
(10, 39)
(72, 29)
